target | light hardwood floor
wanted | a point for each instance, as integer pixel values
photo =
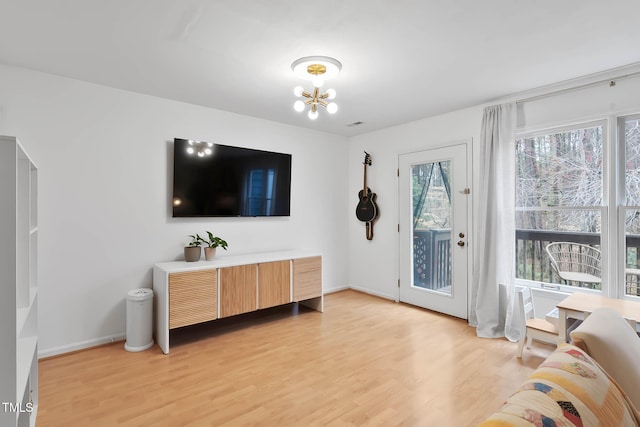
(364, 361)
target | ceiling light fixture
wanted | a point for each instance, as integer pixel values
(200, 148)
(317, 69)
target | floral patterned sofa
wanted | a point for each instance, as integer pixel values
(593, 382)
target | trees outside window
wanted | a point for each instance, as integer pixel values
(569, 184)
(559, 195)
(629, 131)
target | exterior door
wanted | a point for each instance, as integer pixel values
(434, 229)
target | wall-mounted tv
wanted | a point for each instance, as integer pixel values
(214, 180)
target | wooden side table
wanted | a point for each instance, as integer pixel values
(580, 305)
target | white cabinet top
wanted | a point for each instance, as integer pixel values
(233, 260)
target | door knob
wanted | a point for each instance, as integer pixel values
(460, 243)
(461, 235)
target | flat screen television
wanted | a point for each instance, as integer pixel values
(214, 180)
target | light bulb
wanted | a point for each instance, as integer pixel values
(298, 106)
(331, 93)
(200, 154)
(297, 91)
(332, 107)
(313, 114)
(190, 150)
(207, 151)
(317, 81)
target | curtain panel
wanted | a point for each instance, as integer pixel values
(492, 290)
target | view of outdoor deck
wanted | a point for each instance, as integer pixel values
(534, 264)
(431, 259)
(432, 252)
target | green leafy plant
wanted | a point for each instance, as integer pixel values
(196, 240)
(214, 241)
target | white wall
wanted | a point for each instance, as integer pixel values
(104, 183)
(373, 265)
(589, 103)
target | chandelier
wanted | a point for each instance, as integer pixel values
(317, 69)
(200, 148)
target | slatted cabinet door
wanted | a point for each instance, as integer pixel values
(307, 278)
(192, 297)
(238, 289)
(274, 283)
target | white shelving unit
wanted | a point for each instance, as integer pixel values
(19, 286)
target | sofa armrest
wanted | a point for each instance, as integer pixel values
(607, 337)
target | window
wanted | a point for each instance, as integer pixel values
(432, 225)
(560, 198)
(260, 191)
(573, 185)
(629, 129)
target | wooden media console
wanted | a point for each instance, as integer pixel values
(187, 293)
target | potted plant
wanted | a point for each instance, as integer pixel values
(212, 243)
(193, 251)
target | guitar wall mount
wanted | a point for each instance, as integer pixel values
(367, 210)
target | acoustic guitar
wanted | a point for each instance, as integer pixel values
(367, 210)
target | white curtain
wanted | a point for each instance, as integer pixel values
(492, 297)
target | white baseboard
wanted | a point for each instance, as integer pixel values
(82, 345)
(370, 292)
(333, 290)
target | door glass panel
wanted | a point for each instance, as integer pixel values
(431, 233)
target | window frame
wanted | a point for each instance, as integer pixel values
(618, 273)
(610, 154)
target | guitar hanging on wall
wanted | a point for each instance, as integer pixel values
(367, 211)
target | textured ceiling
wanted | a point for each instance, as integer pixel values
(402, 60)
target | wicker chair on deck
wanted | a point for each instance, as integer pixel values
(576, 262)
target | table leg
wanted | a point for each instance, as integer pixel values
(562, 325)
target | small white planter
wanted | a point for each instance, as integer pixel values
(209, 253)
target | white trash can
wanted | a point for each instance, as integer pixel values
(139, 319)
